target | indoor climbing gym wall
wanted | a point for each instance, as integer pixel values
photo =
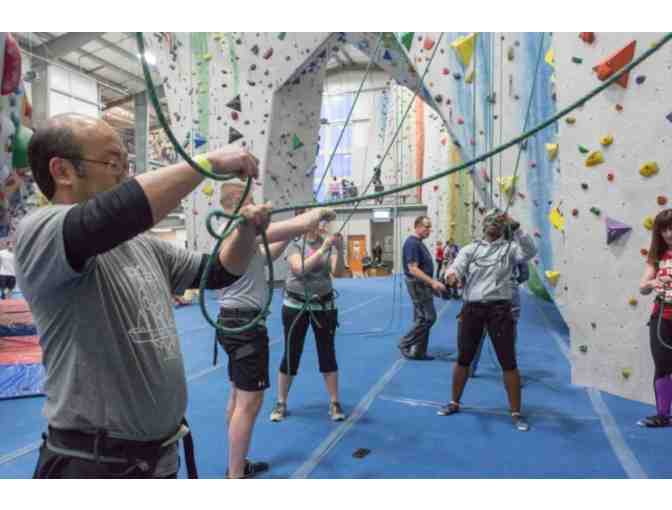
(16, 188)
(616, 159)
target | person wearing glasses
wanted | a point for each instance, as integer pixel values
(419, 269)
(101, 296)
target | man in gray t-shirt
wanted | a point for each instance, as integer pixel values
(101, 296)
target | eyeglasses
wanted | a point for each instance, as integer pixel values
(113, 166)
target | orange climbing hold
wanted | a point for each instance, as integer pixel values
(428, 43)
(662, 200)
(615, 63)
(587, 37)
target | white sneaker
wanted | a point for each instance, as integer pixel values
(336, 412)
(279, 411)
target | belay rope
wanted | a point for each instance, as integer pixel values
(235, 218)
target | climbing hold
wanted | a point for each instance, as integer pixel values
(552, 150)
(648, 169)
(199, 140)
(11, 74)
(550, 58)
(460, 120)
(234, 135)
(632, 301)
(469, 78)
(255, 49)
(610, 177)
(587, 37)
(583, 348)
(553, 277)
(648, 223)
(507, 184)
(593, 325)
(607, 140)
(575, 212)
(282, 36)
(616, 229)
(446, 72)
(509, 54)
(234, 104)
(387, 55)
(268, 54)
(234, 115)
(626, 373)
(640, 79)
(595, 158)
(557, 219)
(661, 200)
(208, 190)
(296, 142)
(207, 57)
(584, 185)
(360, 453)
(428, 43)
(644, 252)
(577, 60)
(615, 63)
(669, 117)
(457, 76)
(464, 47)
(407, 40)
(570, 120)
(20, 147)
(583, 150)
(595, 211)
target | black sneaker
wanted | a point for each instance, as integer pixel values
(252, 469)
(336, 412)
(654, 421)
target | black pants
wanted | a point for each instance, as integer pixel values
(424, 317)
(7, 282)
(324, 324)
(52, 464)
(662, 356)
(497, 318)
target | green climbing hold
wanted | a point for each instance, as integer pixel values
(595, 211)
(20, 147)
(583, 150)
(296, 142)
(577, 60)
(583, 348)
(407, 40)
(282, 36)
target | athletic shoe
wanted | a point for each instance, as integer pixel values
(336, 412)
(449, 409)
(252, 469)
(279, 411)
(654, 421)
(520, 422)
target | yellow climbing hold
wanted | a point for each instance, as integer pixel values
(648, 223)
(557, 219)
(464, 47)
(632, 301)
(550, 58)
(208, 190)
(507, 184)
(648, 169)
(207, 57)
(570, 120)
(626, 372)
(552, 149)
(594, 158)
(553, 277)
(606, 141)
(470, 76)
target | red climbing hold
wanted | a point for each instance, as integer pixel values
(11, 76)
(661, 200)
(587, 37)
(610, 177)
(445, 71)
(428, 44)
(615, 63)
(575, 212)
(234, 115)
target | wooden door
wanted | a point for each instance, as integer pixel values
(356, 252)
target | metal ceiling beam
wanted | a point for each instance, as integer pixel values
(66, 43)
(347, 57)
(118, 50)
(134, 78)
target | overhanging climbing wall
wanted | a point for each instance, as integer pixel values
(630, 127)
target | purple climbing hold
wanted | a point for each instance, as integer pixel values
(640, 79)
(669, 116)
(616, 230)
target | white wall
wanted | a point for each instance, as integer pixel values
(72, 92)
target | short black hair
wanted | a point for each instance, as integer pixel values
(49, 142)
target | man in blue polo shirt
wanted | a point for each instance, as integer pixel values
(418, 269)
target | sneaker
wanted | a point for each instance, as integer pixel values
(654, 421)
(449, 409)
(520, 422)
(279, 411)
(252, 469)
(336, 412)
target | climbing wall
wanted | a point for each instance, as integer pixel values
(16, 185)
(625, 134)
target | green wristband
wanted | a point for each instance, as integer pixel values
(203, 162)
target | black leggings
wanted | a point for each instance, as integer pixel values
(324, 325)
(498, 320)
(662, 356)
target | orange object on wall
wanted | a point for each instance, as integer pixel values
(587, 37)
(419, 143)
(615, 63)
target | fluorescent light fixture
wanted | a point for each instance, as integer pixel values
(151, 59)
